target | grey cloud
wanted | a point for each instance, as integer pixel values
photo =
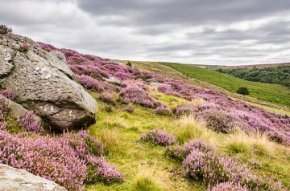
(188, 31)
(185, 11)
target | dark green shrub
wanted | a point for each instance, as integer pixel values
(4, 29)
(129, 64)
(243, 91)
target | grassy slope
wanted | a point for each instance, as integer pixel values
(146, 167)
(273, 93)
(168, 71)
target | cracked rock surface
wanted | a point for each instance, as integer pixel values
(43, 82)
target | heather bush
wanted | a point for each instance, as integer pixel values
(4, 29)
(219, 121)
(100, 170)
(158, 137)
(214, 169)
(228, 186)
(107, 98)
(90, 83)
(186, 109)
(129, 108)
(7, 93)
(135, 93)
(29, 123)
(163, 110)
(83, 144)
(199, 145)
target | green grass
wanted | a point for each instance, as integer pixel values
(273, 93)
(143, 164)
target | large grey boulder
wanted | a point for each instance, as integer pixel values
(12, 179)
(43, 82)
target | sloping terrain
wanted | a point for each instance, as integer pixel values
(160, 130)
(272, 93)
(274, 75)
(257, 66)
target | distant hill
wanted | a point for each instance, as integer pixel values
(273, 93)
(256, 66)
(276, 74)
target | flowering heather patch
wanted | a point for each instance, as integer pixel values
(199, 145)
(186, 109)
(83, 144)
(135, 93)
(214, 169)
(46, 47)
(66, 159)
(29, 123)
(43, 156)
(100, 170)
(90, 83)
(228, 186)
(8, 94)
(107, 98)
(219, 121)
(163, 110)
(158, 137)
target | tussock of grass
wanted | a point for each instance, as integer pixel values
(187, 128)
(240, 142)
(146, 184)
(148, 179)
(110, 138)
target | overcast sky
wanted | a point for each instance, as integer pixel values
(226, 32)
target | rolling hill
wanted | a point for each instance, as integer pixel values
(272, 93)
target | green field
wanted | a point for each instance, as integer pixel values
(272, 93)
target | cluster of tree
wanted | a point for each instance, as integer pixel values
(275, 75)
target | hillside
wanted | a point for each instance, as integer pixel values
(272, 93)
(274, 75)
(261, 66)
(155, 130)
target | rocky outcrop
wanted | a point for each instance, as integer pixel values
(12, 179)
(43, 82)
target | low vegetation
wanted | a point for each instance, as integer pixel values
(274, 75)
(272, 93)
